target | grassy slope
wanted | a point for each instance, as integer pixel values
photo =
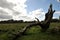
(32, 33)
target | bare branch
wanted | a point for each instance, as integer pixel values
(37, 19)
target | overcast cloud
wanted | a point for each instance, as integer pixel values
(5, 4)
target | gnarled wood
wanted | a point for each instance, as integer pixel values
(44, 25)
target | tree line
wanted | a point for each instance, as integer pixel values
(22, 21)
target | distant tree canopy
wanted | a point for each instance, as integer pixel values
(55, 20)
(12, 21)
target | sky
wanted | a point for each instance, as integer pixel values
(27, 10)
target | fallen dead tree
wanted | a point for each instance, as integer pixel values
(44, 25)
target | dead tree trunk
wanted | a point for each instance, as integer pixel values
(48, 17)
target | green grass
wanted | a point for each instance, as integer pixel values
(33, 33)
(52, 25)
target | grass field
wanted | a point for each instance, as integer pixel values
(33, 33)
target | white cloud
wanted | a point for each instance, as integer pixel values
(16, 9)
(55, 18)
(19, 9)
(56, 15)
(58, 0)
(57, 12)
(38, 14)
